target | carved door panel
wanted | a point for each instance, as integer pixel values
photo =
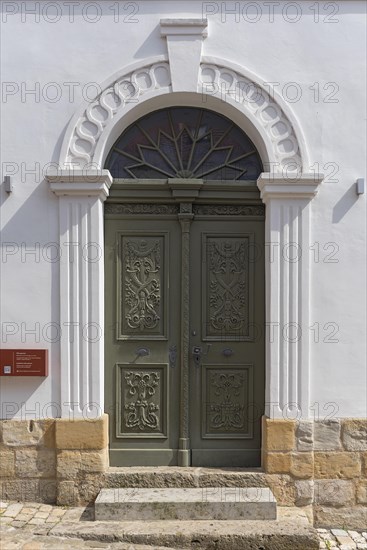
(227, 339)
(142, 336)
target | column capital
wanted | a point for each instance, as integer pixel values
(279, 186)
(81, 183)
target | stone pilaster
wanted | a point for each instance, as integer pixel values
(287, 241)
(81, 195)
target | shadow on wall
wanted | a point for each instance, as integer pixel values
(345, 203)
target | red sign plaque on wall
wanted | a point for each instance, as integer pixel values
(23, 362)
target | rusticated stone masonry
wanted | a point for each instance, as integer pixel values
(53, 460)
(318, 465)
(321, 465)
(28, 460)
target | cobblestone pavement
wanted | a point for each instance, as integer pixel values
(18, 523)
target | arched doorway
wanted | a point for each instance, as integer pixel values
(184, 236)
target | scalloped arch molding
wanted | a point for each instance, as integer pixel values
(273, 127)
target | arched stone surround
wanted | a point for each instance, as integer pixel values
(184, 77)
(222, 86)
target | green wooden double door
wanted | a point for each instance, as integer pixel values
(184, 380)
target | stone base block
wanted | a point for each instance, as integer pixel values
(31, 490)
(7, 463)
(28, 433)
(279, 435)
(82, 434)
(350, 517)
(283, 487)
(67, 493)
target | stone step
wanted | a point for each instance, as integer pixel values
(177, 476)
(291, 531)
(214, 503)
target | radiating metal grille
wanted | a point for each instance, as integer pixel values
(184, 142)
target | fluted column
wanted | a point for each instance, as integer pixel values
(81, 196)
(287, 257)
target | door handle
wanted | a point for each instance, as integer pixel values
(142, 352)
(197, 353)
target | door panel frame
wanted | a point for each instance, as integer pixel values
(143, 446)
(119, 330)
(245, 338)
(236, 222)
(165, 399)
(187, 198)
(234, 366)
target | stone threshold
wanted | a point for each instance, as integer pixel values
(291, 531)
(178, 476)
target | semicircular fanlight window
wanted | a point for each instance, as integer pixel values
(182, 142)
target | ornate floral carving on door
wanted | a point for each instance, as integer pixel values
(142, 284)
(143, 400)
(227, 398)
(140, 410)
(227, 285)
(226, 300)
(228, 411)
(142, 276)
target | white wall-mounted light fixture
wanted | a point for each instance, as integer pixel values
(360, 186)
(8, 185)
